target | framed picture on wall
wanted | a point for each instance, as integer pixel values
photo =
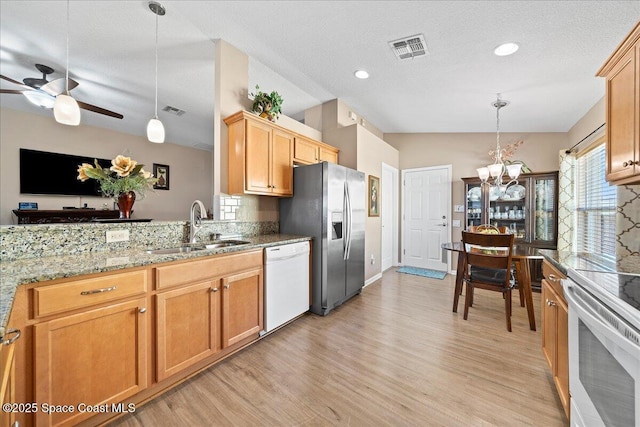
(162, 173)
(374, 196)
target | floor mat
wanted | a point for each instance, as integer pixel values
(432, 274)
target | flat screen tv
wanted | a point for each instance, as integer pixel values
(42, 172)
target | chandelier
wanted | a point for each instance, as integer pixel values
(498, 169)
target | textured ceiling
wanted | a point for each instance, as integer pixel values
(308, 51)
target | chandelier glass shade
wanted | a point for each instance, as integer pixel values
(494, 174)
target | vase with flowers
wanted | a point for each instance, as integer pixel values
(122, 181)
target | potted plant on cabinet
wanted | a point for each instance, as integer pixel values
(267, 105)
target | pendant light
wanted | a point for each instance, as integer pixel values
(65, 109)
(497, 170)
(155, 128)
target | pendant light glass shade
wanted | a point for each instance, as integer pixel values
(155, 131)
(66, 110)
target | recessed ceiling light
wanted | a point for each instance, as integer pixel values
(506, 49)
(361, 74)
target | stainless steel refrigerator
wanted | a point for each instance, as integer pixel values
(328, 204)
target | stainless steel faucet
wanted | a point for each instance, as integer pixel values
(196, 220)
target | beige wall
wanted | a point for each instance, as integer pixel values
(591, 121)
(468, 151)
(190, 173)
(372, 152)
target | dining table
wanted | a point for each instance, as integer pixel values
(521, 255)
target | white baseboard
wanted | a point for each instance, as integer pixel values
(373, 279)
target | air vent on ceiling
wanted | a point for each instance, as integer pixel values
(173, 110)
(409, 47)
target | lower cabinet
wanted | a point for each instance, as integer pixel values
(242, 306)
(188, 324)
(92, 358)
(196, 320)
(8, 377)
(555, 326)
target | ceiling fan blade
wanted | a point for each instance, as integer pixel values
(12, 91)
(57, 86)
(98, 110)
(16, 82)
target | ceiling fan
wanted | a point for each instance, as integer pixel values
(43, 92)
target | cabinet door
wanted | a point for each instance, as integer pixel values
(544, 222)
(7, 382)
(282, 163)
(257, 157)
(305, 151)
(549, 326)
(95, 357)
(188, 321)
(242, 302)
(562, 354)
(328, 155)
(621, 119)
(474, 211)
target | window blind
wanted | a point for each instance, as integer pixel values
(595, 205)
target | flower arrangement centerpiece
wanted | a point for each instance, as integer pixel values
(267, 105)
(122, 181)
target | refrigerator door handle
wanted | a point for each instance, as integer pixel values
(349, 221)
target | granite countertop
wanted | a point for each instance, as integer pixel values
(24, 271)
(564, 260)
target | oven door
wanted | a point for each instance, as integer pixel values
(604, 363)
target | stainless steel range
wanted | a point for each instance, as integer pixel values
(604, 348)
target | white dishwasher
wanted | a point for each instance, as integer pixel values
(286, 283)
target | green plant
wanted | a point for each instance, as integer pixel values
(124, 175)
(267, 105)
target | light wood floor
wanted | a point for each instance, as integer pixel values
(395, 355)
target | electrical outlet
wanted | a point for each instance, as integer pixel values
(117, 236)
(456, 223)
(373, 259)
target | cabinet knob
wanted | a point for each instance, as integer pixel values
(214, 289)
(629, 163)
(142, 310)
(553, 277)
(550, 303)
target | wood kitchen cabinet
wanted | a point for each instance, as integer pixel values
(555, 338)
(8, 377)
(307, 151)
(209, 305)
(622, 77)
(90, 342)
(260, 156)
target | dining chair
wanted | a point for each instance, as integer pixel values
(488, 266)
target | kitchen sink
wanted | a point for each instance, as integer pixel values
(177, 250)
(196, 247)
(224, 244)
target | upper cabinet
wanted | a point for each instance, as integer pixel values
(622, 73)
(261, 155)
(308, 151)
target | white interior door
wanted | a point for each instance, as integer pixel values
(426, 211)
(389, 216)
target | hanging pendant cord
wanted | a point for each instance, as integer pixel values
(156, 114)
(67, 79)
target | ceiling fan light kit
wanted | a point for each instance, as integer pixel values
(155, 128)
(65, 109)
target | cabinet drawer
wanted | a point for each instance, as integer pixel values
(553, 276)
(191, 271)
(83, 293)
